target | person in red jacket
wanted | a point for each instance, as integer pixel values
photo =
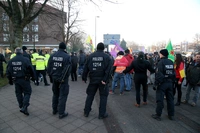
(119, 66)
(180, 74)
(128, 77)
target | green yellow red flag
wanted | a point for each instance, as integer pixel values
(169, 47)
(89, 42)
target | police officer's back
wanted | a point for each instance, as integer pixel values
(59, 69)
(19, 70)
(164, 78)
(98, 65)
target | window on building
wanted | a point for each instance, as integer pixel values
(5, 27)
(26, 29)
(6, 37)
(5, 16)
(35, 28)
(25, 37)
(36, 19)
(35, 38)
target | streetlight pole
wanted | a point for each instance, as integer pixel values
(95, 30)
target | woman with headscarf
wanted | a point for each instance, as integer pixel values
(140, 66)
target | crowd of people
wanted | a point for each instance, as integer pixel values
(129, 71)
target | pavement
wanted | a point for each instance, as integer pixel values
(124, 117)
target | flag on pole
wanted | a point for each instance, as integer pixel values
(115, 50)
(89, 42)
(169, 47)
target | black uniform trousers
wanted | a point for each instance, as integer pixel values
(43, 72)
(60, 96)
(166, 88)
(23, 91)
(74, 73)
(1, 69)
(140, 79)
(91, 91)
(178, 87)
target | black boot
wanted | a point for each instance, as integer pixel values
(24, 110)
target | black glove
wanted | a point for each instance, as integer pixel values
(154, 87)
(10, 82)
(51, 80)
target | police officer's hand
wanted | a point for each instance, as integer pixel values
(154, 87)
(51, 80)
(10, 82)
(103, 82)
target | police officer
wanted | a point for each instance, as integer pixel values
(2, 59)
(57, 64)
(41, 68)
(25, 54)
(98, 65)
(164, 78)
(19, 70)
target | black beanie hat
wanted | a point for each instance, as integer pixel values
(24, 48)
(120, 53)
(164, 52)
(62, 45)
(100, 46)
(127, 51)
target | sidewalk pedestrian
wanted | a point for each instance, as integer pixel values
(98, 66)
(81, 62)
(19, 71)
(129, 76)
(74, 60)
(57, 64)
(180, 74)
(140, 66)
(119, 65)
(193, 78)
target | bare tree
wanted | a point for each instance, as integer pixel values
(77, 42)
(21, 14)
(197, 42)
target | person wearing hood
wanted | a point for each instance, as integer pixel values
(119, 65)
(128, 77)
(140, 66)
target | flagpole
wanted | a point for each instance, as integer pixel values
(95, 30)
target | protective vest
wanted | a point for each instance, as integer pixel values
(12, 55)
(47, 59)
(40, 62)
(34, 55)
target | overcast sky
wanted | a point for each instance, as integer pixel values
(144, 21)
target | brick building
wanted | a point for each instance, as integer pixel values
(44, 32)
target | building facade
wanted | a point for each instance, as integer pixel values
(45, 32)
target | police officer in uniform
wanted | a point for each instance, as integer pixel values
(19, 70)
(164, 78)
(98, 65)
(2, 59)
(57, 64)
